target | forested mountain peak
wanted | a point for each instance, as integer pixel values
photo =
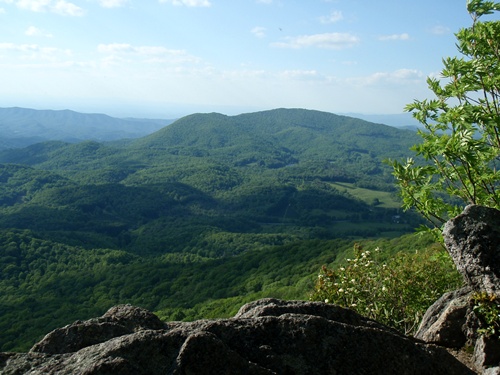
(274, 138)
(298, 130)
(274, 121)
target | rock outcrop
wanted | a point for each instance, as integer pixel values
(266, 337)
(473, 241)
(443, 323)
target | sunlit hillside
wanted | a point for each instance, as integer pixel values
(259, 199)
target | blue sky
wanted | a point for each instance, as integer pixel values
(168, 58)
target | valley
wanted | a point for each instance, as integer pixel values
(192, 220)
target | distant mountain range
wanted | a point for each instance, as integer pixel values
(20, 127)
(401, 120)
(275, 138)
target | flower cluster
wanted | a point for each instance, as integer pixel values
(395, 290)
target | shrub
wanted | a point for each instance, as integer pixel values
(487, 310)
(394, 290)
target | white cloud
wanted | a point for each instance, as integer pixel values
(328, 41)
(243, 74)
(349, 62)
(259, 32)
(67, 9)
(15, 47)
(114, 48)
(403, 36)
(2, 11)
(440, 30)
(34, 52)
(300, 74)
(61, 7)
(407, 74)
(35, 31)
(188, 3)
(141, 50)
(117, 52)
(333, 17)
(397, 77)
(112, 3)
(34, 5)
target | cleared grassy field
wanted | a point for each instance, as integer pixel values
(386, 199)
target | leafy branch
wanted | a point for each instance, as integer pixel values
(460, 149)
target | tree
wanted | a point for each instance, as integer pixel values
(461, 128)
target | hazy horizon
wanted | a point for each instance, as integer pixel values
(168, 58)
(392, 119)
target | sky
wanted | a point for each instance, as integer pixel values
(169, 58)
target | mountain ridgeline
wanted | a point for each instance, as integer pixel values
(20, 127)
(191, 220)
(306, 134)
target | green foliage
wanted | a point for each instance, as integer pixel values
(46, 284)
(191, 222)
(487, 309)
(395, 290)
(461, 140)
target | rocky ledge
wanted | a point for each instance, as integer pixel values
(268, 336)
(473, 241)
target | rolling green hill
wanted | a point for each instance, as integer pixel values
(290, 131)
(182, 220)
(20, 127)
(317, 144)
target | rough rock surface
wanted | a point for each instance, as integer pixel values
(473, 241)
(444, 322)
(266, 337)
(486, 352)
(118, 321)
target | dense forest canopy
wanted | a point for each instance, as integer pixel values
(191, 220)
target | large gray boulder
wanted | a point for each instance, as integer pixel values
(118, 321)
(473, 241)
(266, 337)
(444, 323)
